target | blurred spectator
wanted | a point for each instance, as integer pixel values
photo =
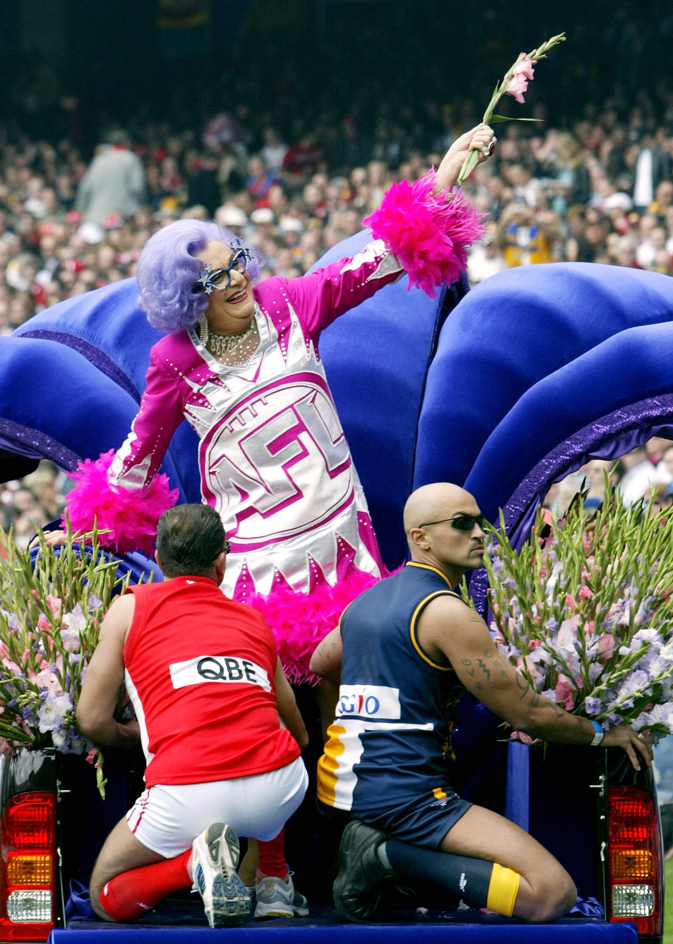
(114, 183)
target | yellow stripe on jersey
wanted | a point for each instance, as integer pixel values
(502, 890)
(435, 570)
(412, 627)
(328, 764)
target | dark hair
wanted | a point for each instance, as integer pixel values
(189, 538)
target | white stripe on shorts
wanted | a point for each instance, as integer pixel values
(167, 818)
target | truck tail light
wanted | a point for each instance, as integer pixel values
(635, 860)
(28, 867)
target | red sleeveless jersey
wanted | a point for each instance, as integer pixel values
(199, 671)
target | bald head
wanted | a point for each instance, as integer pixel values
(435, 535)
(434, 502)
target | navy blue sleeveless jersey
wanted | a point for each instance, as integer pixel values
(390, 738)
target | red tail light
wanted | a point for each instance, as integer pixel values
(635, 866)
(28, 867)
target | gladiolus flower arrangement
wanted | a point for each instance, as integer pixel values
(585, 611)
(50, 615)
(514, 83)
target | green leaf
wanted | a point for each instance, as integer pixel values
(504, 118)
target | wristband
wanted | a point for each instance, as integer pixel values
(599, 735)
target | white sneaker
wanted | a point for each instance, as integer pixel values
(276, 898)
(214, 860)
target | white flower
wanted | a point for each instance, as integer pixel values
(567, 637)
(75, 620)
(52, 711)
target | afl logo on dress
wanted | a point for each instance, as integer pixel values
(266, 458)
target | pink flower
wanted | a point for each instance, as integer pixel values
(585, 593)
(43, 624)
(606, 646)
(54, 605)
(571, 602)
(522, 74)
(525, 67)
(565, 692)
(517, 86)
(91, 756)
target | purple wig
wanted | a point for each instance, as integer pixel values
(168, 268)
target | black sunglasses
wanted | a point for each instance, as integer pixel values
(461, 522)
(226, 548)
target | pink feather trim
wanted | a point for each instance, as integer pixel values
(429, 235)
(129, 515)
(300, 621)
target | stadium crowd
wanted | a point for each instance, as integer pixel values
(598, 190)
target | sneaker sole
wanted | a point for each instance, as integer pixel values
(272, 911)
(230, 898)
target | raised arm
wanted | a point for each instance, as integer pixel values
(450, 630)
(420, 229)
(103, 679)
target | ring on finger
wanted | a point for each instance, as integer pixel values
(641, 737)
(488, 149)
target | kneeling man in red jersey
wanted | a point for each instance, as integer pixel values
(217, 720)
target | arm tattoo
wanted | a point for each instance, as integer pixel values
(484, 668)
(522, 684)
(466, 663)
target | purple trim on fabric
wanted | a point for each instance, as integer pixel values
(93, 354)
(608, 437)
(30, 442)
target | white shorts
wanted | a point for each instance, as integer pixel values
(168, 818)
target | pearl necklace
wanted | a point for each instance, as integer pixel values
(223, 344)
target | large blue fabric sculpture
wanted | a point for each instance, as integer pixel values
(504, 389)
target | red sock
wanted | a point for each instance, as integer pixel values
(132, 894)
(272, 856)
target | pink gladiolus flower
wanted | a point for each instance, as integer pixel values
(522, 74)
(571, 602)
(54, 605)
(585, 593)
(91, 756)
(606, 647)
(517, 86)
(43, 624)
(534, 643)
(565, 692)
(525, 67)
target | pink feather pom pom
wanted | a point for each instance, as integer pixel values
(129, 516)
(300, 621)
(428, 234)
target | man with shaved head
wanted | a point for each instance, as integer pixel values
(404, 650)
